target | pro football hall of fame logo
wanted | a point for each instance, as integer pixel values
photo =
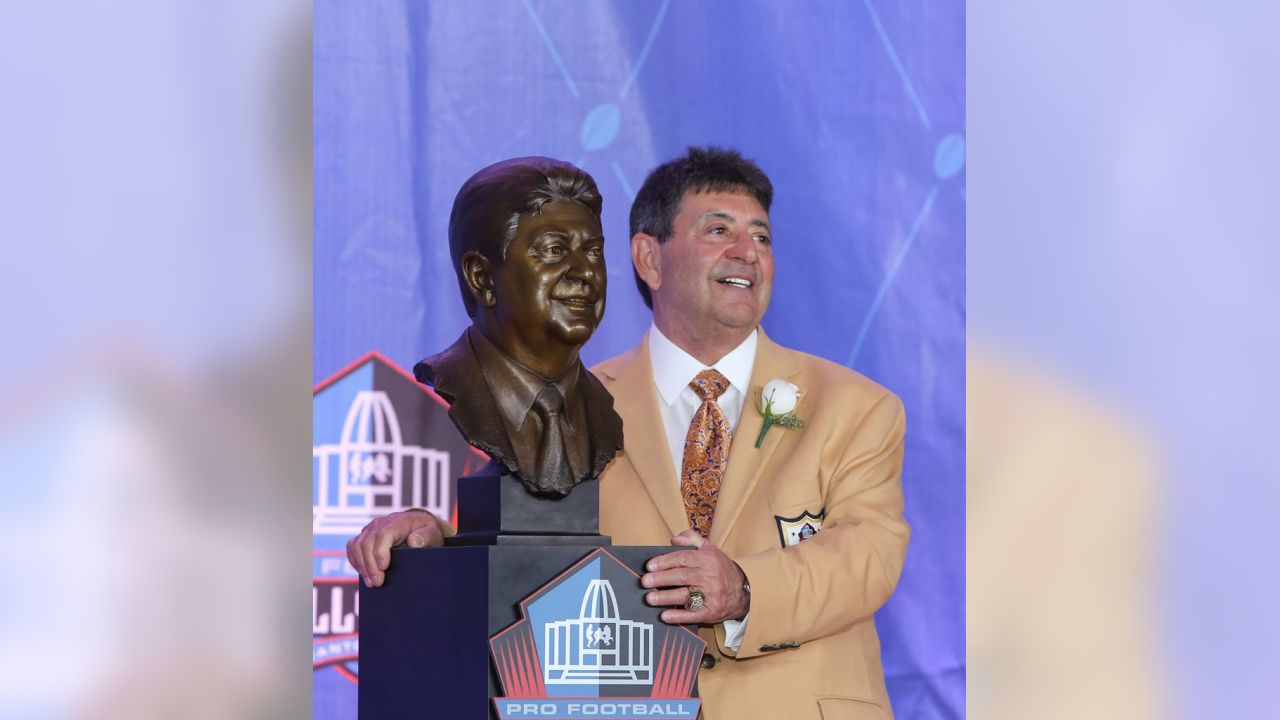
(585, 650)
(381, 443)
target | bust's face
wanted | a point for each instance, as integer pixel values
(550, 287)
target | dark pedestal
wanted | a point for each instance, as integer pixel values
(425, 634)
(494, 503)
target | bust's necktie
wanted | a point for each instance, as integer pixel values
(706, 451)
(553, 464)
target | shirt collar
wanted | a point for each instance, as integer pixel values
(673, 368)
(520, 384)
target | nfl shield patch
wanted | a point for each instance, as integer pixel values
(793, 531)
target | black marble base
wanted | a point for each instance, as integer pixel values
(494, 502)
(424, 635)
(468, 539)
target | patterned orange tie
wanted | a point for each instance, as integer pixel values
(706, 451)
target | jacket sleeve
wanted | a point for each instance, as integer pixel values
(845, 572)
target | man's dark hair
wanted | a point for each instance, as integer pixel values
(709, 169)
(486, 213)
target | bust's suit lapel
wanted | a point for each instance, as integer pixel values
(636, 400)
(458, 375)
(747, 462)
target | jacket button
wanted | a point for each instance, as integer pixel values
(708, 660)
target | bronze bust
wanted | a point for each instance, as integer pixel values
(526, 242)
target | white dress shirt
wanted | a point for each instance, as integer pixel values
(673, 370)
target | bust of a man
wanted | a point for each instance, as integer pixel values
(526, 242)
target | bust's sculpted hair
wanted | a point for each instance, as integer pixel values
(487, 210)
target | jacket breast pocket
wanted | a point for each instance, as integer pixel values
(804, 495)
(798, 512)
(847, 708)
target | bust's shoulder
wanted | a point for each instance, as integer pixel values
(591, 382)
(455, 366)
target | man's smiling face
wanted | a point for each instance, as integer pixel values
(717, 266)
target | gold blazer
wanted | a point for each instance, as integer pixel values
(810, 649)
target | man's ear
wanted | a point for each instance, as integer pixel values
(647, 259)
(478, 274)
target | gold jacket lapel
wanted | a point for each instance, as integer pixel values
(746, 461)
(645, 446)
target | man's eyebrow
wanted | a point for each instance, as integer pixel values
(729, 217)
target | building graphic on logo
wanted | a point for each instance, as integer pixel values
(598, 646)
(583, 650)
(381, 442)
(370, 470)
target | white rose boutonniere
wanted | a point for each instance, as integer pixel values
(777, 401)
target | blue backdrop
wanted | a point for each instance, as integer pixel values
(855, 109)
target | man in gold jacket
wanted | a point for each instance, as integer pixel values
(792, 544)
(807, 538)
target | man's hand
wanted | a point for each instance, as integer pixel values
(370, 551)
(704, 567)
